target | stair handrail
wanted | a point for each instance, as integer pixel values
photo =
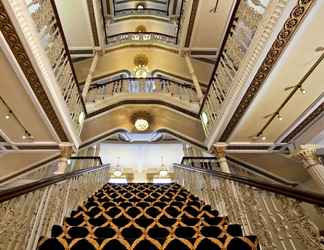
(30, 187)
(246, 166)
(95, 85)
(306, 196)
(98, 158)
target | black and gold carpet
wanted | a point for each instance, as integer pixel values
(146, 217)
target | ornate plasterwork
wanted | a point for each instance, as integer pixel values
(10, 34)
(272, 57)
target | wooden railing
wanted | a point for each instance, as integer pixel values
(282, 217)
(51, 35)
(133, 86)
(238, 37)
(140, 37)
(29, 211)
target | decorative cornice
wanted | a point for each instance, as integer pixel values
(10, 34)
(272, 57)
(314, 115)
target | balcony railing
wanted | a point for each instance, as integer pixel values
(128, 12)
(151, 37)
(135, 86)
(237, 40)
(47, 23)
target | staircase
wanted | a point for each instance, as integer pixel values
(146, 217)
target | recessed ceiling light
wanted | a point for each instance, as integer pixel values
(7, 116)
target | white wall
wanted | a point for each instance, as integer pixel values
(141, 156)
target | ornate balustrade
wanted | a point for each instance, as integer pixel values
(29, 211)
(238, 38)
(210, 163)
(47, 23)
(277, 214)
(133, 86)
(128, 12)
(140, 37)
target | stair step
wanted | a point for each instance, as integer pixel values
(153, 231)
(145, 222)
(148, 243)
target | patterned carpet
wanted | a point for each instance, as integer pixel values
(146, 217)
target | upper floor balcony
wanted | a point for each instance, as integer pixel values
(111, 92)
(141, 37)
(140, 12)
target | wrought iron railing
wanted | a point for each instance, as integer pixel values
(133, 86)
(140, 37)
(282, 217)
(51, 35)
(239, 35)
(128, 12)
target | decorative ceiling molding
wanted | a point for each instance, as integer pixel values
(194, 9)
(290, 26)
(308, 120)
(15, 44)
(93, 22)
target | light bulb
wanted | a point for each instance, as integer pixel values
(7, 116)
(280, 117)
(263, 138)
(303, 91)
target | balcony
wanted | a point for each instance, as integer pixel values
(140, 12)
(142, 37)
(130, 89)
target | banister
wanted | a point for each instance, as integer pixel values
(245, 166)
(30, 187)
(98, 158)
(140, 10)
(306, 196)
(220, 51)
(60, 28)
(140, 33)
(93, 86)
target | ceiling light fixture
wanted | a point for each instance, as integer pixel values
(141, 124)
(279, 117)
(142, 121)
(303, 91)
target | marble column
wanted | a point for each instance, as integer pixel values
(312, 163)
(66, 151)
(219, 152)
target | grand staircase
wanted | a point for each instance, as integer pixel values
(146, 217)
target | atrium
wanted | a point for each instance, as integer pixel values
(123, 121)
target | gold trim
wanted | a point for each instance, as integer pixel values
(289, 28)
(10, 34)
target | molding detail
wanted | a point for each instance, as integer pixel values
(272, 57)
(15, 44)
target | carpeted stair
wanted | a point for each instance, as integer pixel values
(146, 217)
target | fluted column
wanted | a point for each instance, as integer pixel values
(219, 152)
(66, 151)
(194, 77)
(312, 163)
